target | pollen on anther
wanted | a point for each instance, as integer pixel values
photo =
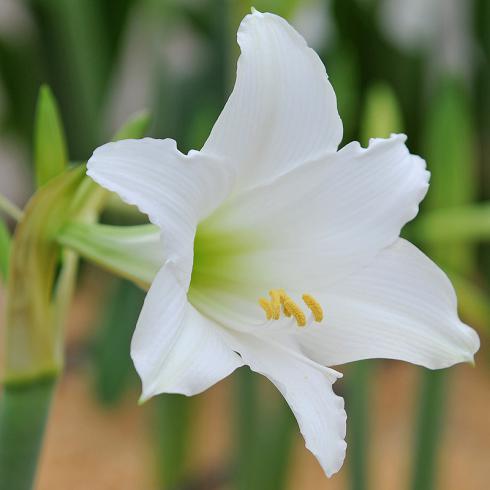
(283, 297)
(314, 306)
(275, 302)
(267, 307)
(294, 310)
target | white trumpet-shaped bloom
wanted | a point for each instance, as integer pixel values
(282, 252)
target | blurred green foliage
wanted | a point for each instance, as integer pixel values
(110, 348)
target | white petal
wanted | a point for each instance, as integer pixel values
(402, 306)
(173, 189)
(282, 111)
(174, 348)
(307, 387)
(320, 222)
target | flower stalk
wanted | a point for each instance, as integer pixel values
(34, 315)
(24, 409)
(37, 301)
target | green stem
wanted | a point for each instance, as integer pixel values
(9, 208)
(358, 389)
(429, 428)
(24, 410)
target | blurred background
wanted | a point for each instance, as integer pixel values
(420, 67)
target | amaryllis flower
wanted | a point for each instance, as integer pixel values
(282, 252)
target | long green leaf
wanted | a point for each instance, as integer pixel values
(382, 116)
(359, 386)
(135, 127)
(263, 435)
(246, 428)
(111, 346)
(447, 226)
(274, 448)
(430, 424)
(72, 35)
(450, 156)
(50, 154)
(173, 424)
(4, 250)
(474, 303)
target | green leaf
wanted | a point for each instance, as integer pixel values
(135, 127)
(50, 154)
(430, 425)
(450, 155)
(359, 386)
(473, 303)
(246, 427)
(264, 435)
(343, 69)
(111, 348)
(74, 40)
(382, 115)
(173, 419)
(4, 250)
(469, 223)
(132, 252)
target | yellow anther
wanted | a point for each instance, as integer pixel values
(275, 295)
(279, 299)
(314, 306)
(294, 310)
(267, 307)
(284, 307)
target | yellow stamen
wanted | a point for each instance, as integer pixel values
(283, 296)
(314, 306)
(275, 295)
(281, 301)
(294, 310)
(267, 307)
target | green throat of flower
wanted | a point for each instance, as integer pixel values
(222, 265)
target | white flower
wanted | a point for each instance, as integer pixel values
(271, 204)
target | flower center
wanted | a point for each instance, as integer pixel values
(280, 300)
